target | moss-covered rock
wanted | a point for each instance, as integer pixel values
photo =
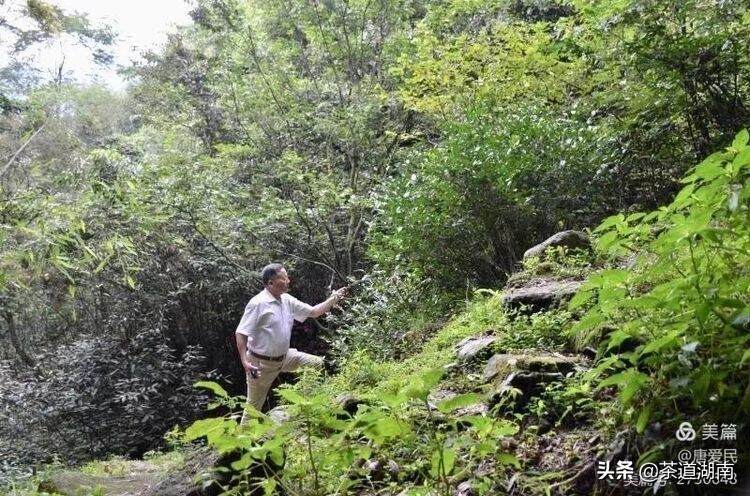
(540, 294)
(568, 239)
(502, 364)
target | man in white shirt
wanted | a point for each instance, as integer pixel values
(263, 333)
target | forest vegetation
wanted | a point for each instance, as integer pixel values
(414, 150)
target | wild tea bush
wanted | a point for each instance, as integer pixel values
(503, 179)
(673, 333)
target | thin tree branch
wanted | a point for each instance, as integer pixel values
(21, 149)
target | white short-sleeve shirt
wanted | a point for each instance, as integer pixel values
(267, 322)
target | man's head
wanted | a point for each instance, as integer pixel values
(275, 279)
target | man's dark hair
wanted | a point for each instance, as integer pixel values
(269, 272)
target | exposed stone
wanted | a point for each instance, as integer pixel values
(378, 470)
(502, 364)
(527, 373)
(71, 483)
(541, 294)
(349, 403)
(198, 467)
(569, 239)
(464, 489)
(450, 367)
(280, 414)
(393, 469)
(470, 347)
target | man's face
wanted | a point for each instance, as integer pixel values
(279, 284)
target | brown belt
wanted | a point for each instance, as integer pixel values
(264, 357)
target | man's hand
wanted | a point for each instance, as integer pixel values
(325, 307)
(340, 294)
(251, 369)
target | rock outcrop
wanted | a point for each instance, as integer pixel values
(540, 294)
(503, 364)
(569, 239)
(470, 348)
(526, 373)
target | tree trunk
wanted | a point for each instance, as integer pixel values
(25, 357)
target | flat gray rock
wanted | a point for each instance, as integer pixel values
(541, 294)
(502, 364)
(280, 414)
(470, 347)
(569, 239)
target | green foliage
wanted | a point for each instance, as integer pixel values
(464, 52)
(673, 65)
(427, 144)
(321, 450)
(464, 211)
(672, 332)
(542, 331)
(122, 386)
(384, 315)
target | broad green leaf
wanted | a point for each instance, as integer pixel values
(460, 401)
(741, 318)
(662, 342)
(643, 419)
(385, 429)
(611, 276)
(740, 140)
(700, 385)
(591, 320)
(206, 427)
(445, 457)
(276, 452)
(742, 159)
(484, 447)
(682, 196)
(610, 221)
(292, 397)
(745, 357)
(629, 382)
(213, 387)
(421, 388)
(634, 384)
(432, 377)
(269, 486)
(243, 463)
(581, 298)
(606, 241)
(508, 459)
(617, 338)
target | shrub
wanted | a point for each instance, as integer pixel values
(673, 333)
(464, 212)
(98, 397)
